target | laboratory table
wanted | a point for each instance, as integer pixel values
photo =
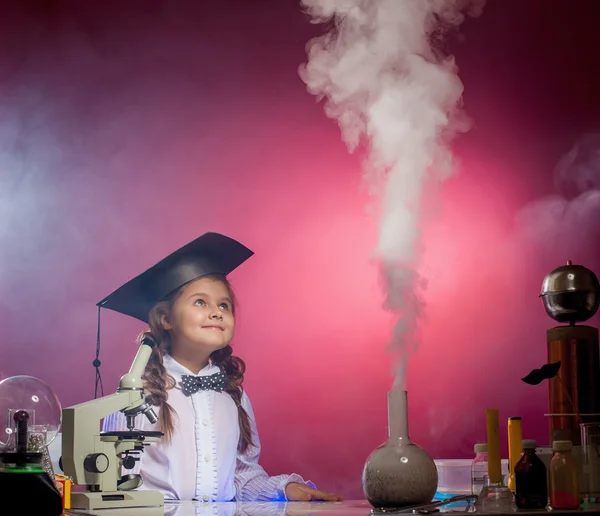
(345, 508)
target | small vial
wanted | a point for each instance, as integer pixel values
(564, 477)
(479, 468)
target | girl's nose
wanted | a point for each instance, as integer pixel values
(215, 313)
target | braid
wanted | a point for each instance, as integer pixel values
(157, 382)
(234, 367)
(156, 379)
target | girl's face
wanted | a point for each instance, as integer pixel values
(202, 317)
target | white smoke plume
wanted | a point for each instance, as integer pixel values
(390, 86)
(571, 216)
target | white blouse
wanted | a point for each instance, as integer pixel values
(202, 461)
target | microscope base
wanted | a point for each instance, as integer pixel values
(116, 499)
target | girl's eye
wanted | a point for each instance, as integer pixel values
(199, 302)
(224, 306)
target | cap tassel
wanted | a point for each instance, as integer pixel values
(96, 363)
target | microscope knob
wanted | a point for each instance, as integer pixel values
(129, 462)
(96, 463)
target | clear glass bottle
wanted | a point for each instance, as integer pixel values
(479, 468)
(531, 483)
(564, 477)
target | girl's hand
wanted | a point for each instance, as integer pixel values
(296, 492)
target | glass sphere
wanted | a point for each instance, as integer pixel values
(40, 402)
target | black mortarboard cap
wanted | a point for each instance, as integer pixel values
(212, 253)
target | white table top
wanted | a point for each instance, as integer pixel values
(346, 508)
(193, 508)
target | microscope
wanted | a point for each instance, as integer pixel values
(94, 459)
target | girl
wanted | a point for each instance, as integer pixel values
(210, 448)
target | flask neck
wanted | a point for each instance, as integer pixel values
(495, 484)
(398, 416)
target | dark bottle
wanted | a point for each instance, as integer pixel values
(531, 481)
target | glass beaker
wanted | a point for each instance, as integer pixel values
(590, 462)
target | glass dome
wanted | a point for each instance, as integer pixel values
(39, 400)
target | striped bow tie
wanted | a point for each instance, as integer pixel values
(191, 384)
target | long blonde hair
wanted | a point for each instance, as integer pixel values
(158, 382)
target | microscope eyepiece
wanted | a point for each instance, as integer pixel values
(148, 341)
(133, 380)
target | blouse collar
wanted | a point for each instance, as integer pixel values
(176, 370)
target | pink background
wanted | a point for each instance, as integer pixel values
(126, 133)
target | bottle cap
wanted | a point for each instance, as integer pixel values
(562, 445)
(480, 448)
(529, 444)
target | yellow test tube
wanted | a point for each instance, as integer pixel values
(493, 436)
(515, 440)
